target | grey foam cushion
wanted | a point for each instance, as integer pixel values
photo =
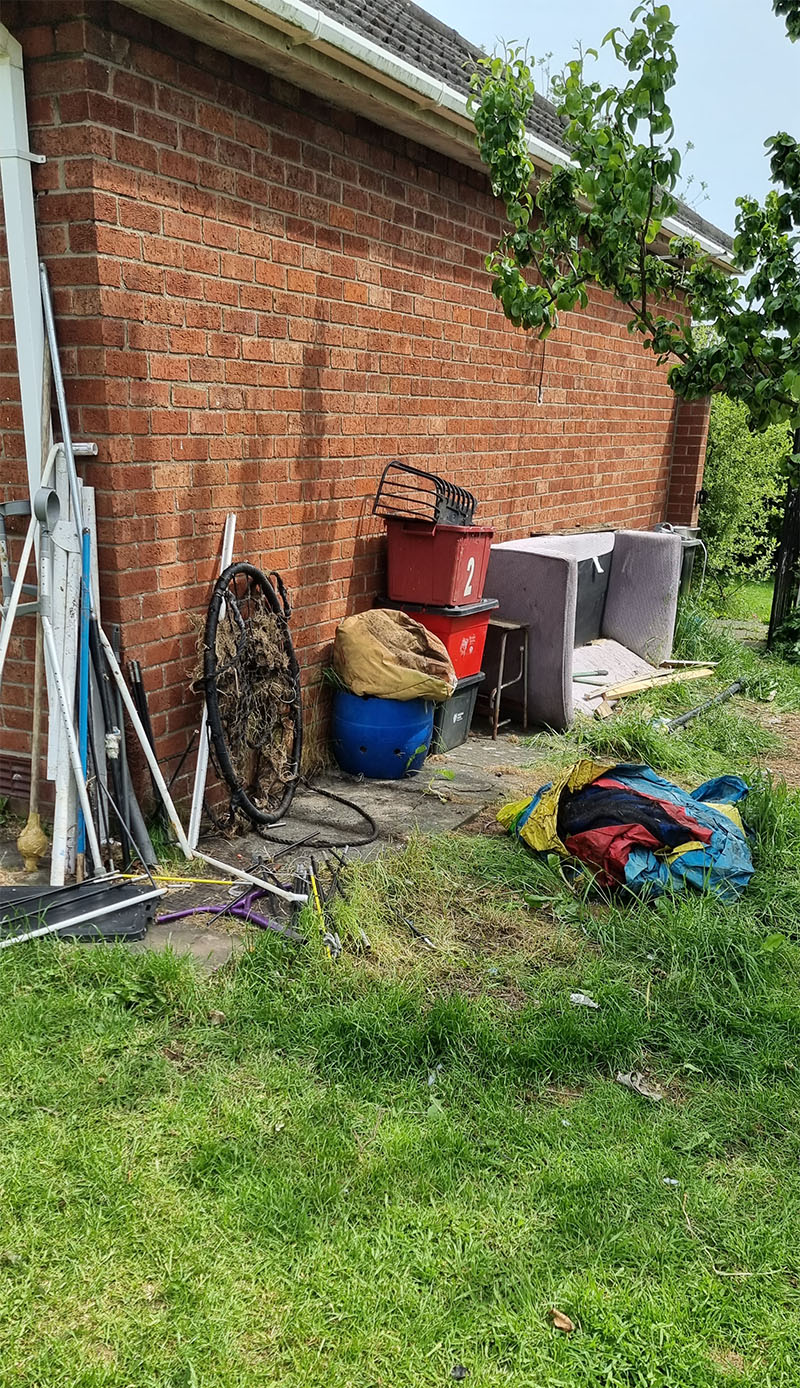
(536, 581)
(642, 598)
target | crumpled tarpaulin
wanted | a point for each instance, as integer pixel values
(639, 831)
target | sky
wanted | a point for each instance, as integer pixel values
(738, 77)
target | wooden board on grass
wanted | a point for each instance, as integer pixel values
(621, 691)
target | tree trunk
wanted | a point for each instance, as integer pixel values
(787, 561)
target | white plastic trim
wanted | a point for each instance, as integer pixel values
(23, 258)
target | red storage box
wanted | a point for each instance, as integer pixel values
(462, 629)
(441, 565)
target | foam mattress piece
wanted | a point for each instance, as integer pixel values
(620, 663)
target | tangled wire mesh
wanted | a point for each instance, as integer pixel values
(254, 708)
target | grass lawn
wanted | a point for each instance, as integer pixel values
(748, 602)
(372, 1172)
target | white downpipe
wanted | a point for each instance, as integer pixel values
(23, 255)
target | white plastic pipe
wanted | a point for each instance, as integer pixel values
(23, 259)
(201, 769)
(82, 450)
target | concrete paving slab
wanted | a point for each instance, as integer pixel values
(210, 949)
(450, 791)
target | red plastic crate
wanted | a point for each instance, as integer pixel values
(461, 629)
(441, 565)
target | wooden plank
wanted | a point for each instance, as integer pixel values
(621, 691)
(604, 709)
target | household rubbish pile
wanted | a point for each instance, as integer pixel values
(637, 831)
(97, 824)
(409, 672)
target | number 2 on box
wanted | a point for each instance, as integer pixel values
(470, 576)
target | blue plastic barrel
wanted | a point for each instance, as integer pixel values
(380, 738)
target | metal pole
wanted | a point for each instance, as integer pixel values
(61, 399)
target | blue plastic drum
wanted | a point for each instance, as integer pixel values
(383, 739)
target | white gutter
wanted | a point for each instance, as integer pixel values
(23, 258)
(321, 32)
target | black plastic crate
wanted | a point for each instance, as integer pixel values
(453, 719)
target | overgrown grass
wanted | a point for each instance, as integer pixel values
(722, 739)
(370, 1172)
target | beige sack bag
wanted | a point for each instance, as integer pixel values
(388, 654)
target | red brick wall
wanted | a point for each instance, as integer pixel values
(688, 461)
(263, 299)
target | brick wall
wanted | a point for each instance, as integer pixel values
(688, 460)
(262, 300)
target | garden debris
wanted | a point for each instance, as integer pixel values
(417, 933)
(243, 908)
(459, 1372)
(674, 673)
(638, 831)
(216, 1018)
(583, 1000)
(560, 1321)
(626, 687)
(689, 664)
(636, 1081)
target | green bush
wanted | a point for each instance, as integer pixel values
(745, 485)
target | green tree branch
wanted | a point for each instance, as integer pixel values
(598, 218)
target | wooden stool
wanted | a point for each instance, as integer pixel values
(504, 630)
